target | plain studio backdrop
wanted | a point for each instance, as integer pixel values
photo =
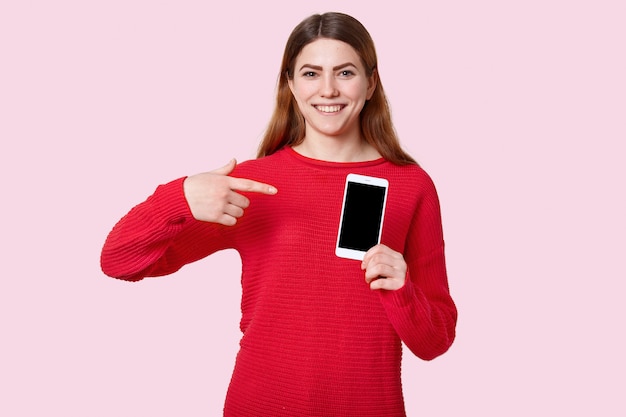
(516, 108)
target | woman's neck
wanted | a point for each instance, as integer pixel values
(336, 150)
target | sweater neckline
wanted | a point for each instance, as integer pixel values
(331, 164)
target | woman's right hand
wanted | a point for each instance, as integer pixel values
(213, 197)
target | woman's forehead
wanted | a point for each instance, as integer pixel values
(327, 52)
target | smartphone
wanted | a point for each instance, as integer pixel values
(362, 213)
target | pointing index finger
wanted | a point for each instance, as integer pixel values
(243, 184)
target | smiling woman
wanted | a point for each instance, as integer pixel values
(325, 43)
(331, 86)
(322, 334)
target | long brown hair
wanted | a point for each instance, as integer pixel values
(287, 125)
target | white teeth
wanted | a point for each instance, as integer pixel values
(328, 109)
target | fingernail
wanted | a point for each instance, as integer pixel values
(273, 190)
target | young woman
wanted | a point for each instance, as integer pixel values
(322, 335)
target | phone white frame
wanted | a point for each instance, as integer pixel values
(360, 179)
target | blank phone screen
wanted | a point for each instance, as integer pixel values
(362, 215)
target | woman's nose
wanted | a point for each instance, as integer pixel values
(328, 87)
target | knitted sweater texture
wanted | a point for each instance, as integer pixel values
(316, 340)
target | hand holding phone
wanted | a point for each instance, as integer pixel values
(383, 262)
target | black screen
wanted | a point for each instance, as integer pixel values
(361, 216)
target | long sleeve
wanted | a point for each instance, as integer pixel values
(158, 236)
(423, 312)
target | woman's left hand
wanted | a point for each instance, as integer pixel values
(385, 269)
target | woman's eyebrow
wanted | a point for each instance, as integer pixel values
(319, 68)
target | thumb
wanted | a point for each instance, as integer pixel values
(226, 169)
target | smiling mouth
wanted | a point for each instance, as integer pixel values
(329, 109)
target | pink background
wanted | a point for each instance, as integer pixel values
(516, 108)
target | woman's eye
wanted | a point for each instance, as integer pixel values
(309, 74)
(346, 73)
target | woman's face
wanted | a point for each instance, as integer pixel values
(331, 86)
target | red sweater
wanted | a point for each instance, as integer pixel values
(316, 340)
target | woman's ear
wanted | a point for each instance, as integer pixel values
(290, 84)
(372, 82)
